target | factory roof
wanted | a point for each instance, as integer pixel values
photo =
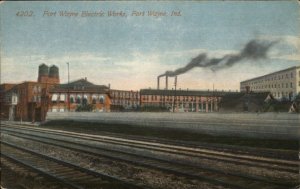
(184, 92)
(81, 85)
(260, 77)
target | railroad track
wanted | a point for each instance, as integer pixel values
(200, 172)
(178, 150)
(63, 172)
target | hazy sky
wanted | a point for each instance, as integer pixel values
(130, 52)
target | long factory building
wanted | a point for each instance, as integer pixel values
(31, 100)
(283, 84)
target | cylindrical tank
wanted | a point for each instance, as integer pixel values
(43, 70)
(53, 72)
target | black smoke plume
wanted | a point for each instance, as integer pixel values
(253, 50)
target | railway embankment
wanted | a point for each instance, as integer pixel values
(282, 126)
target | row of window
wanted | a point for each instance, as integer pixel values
(125, 94)
(124, 103)
(79, 100)
(271, 86)
(114, 101)
(188, 106)
(36, 99)
(62, 97)
(273, 78)
(121, 97)
(178, 99)
(37, 89)
(283, 94)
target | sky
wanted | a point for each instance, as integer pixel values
(129, 51)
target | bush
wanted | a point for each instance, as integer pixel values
(85, 108)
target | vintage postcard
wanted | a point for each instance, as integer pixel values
(150, 94)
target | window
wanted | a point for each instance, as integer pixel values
(62, 97)
(101, 99)
(71, 99)
(34, 89)
(78, 99)
(291, 74)
(299, 83)
(291, 85)
(54, 97)
(286, 86)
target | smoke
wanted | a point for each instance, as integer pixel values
(253, 50)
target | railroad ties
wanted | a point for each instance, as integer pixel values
(65, 173)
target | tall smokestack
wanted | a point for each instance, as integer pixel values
(158, 82)
(166, 82)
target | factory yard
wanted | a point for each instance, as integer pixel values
(118, 154)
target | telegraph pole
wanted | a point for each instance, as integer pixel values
(68, 87)
(174, 101)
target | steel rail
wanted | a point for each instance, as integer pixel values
(210, 169)
(35, 138)
(154, 146)
(99, 175)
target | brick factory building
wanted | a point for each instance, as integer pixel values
(203, 101)
(184, 100)
(31, 100)
(5, 100)
(124, 100)
(26, 101)
(283, 84)
(80, 95)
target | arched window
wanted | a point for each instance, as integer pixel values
(54, 97)
(62, 97)
(71, 99)
(78, 99)
(85, 100)
(101, 99)
(34, 89)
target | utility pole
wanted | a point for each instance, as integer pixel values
(174, 101)
(68, 87)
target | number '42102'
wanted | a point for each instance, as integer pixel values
(24, 13)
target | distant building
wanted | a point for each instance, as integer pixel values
(283, 84)
(5, 100)
(182, 100)
(25, 101)
(245, 102)
(80, 95)
(124, 100)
